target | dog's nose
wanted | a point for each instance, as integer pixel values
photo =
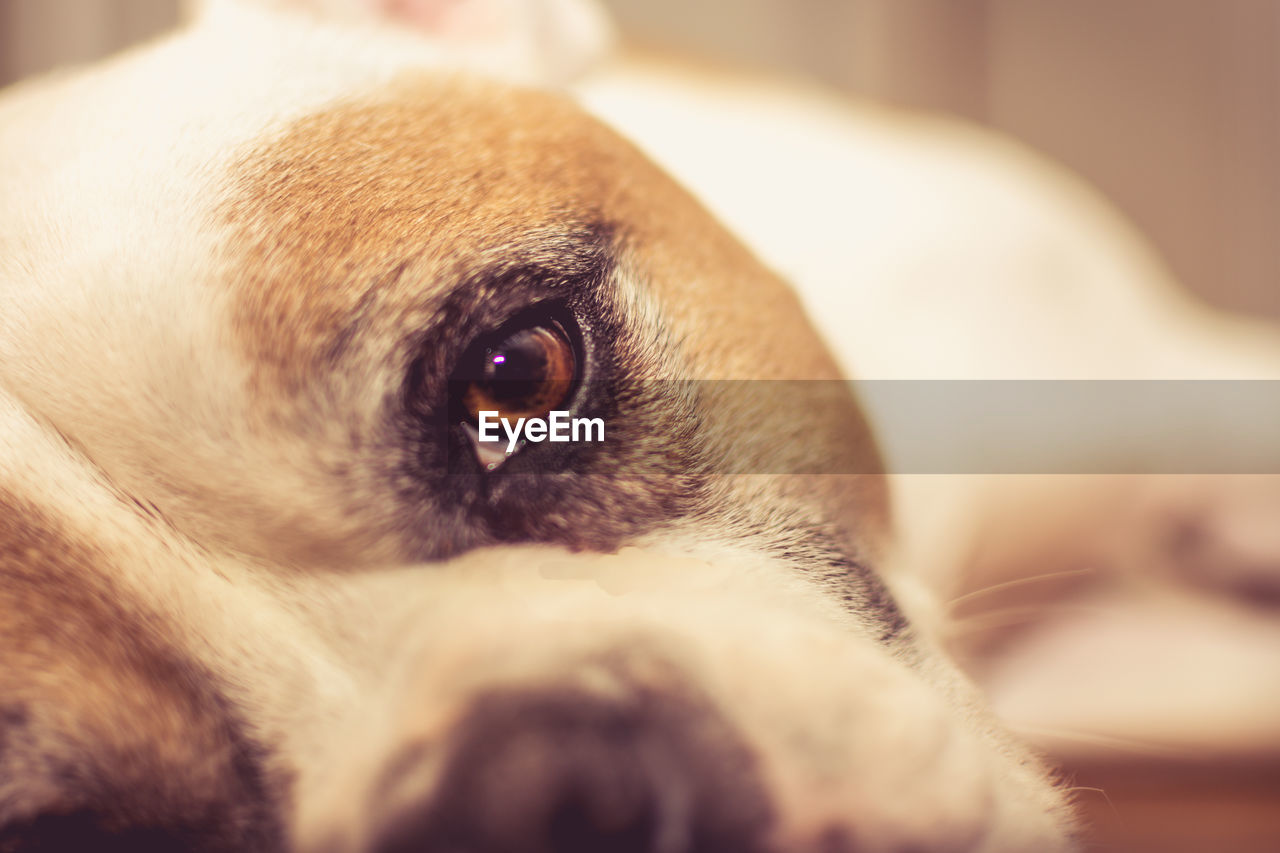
(566, 771)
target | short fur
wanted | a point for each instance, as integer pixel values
(251, 607)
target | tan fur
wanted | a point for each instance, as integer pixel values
(326, 225)
(334, 205)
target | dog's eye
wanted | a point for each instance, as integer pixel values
(524, 373)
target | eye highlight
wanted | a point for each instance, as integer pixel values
(524, 371)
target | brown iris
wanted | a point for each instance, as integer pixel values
(524, 375)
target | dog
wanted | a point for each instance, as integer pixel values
(1122, 622)
(264, 588)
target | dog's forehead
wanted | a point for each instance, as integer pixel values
(444, 174)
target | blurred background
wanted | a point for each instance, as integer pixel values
(1171, 107)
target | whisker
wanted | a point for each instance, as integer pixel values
(996, 587)
(1129, 746)
(1115, 812)
(1012, 615)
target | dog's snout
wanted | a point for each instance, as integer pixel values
(565, 770)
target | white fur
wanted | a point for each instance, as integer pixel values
(929, 249)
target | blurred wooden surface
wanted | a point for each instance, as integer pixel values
(1136, 805)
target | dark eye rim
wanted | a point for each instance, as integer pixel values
(547, 314)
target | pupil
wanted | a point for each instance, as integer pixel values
(520, 358)
(528, 374)
(515, 372)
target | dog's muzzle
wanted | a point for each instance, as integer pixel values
(562, 769)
